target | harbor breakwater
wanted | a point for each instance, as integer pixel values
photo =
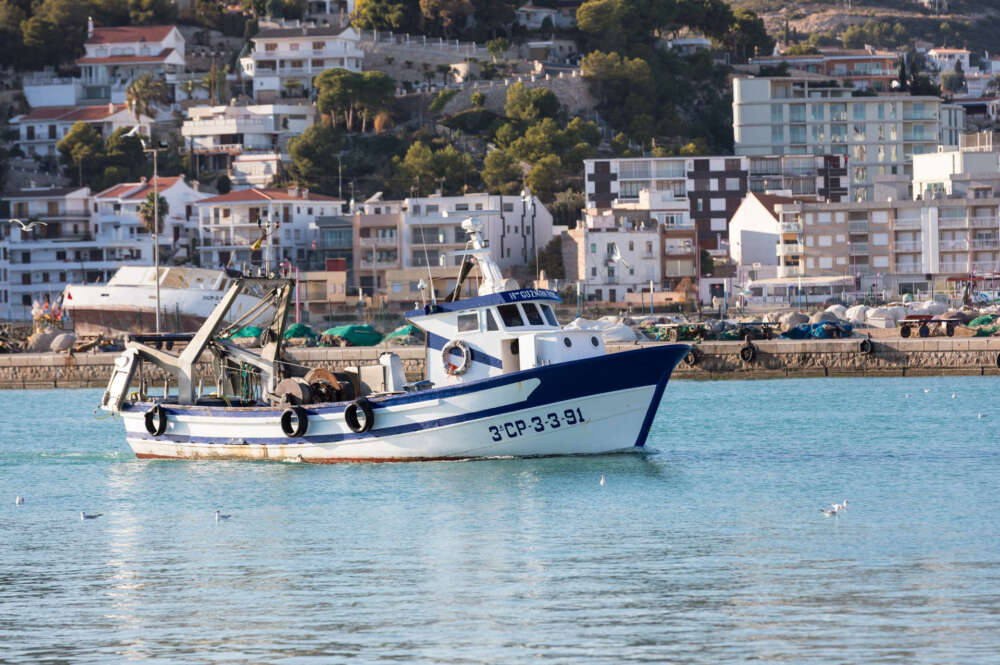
(709, 360)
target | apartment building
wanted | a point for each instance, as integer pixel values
(956, 174)
(40, 130)
(908, 246)
(711, 188)
(616, 253)
(678, 241)
(284, 60)
(116, 210)
(811, 115)
(862, 69)
(230, 224)
(72, 247)
(378, 242)
(216, 134)
(114, 57)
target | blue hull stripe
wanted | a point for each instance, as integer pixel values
(437, 343)
(564, 381)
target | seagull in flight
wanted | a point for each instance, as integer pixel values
(89, 516)
(18, 500)
(219, 516)
(27, 226)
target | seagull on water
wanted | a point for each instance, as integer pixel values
(220, 516)
(907, 395)
(89, 516)
(603, 482)
(927, 390)
(834, 509)
(981, 416)
(953, 395)
(18, 500)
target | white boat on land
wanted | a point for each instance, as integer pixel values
(127, 302)
(503, 379)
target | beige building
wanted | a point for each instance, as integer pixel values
(320, 291)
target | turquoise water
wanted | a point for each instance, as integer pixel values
(712, 551)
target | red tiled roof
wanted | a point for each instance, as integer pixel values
(120, 59)
(130, 34)
(73, 113)
(253, 194)
(137, 190)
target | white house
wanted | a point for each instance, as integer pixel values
(116, 212)
(115, 57)
(42, 128)
(755, 233)
(944, 59)
(229, 224)
(533, 17)
(616, 255)
(284, 60)
(217, 133)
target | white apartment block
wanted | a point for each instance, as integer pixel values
(229, 225)
(116, 210)
(616, 254)
(956, 174)
(72, 247)
(216, 134)
(432, 224)
(283, 61)
(115, 57)
(879, 134)
(40, 130)
(945, 59)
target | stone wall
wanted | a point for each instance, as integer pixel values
(713, 360)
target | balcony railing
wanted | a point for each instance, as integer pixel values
(926, 115)
(983, 222)
(985, 266)
(954, 245)
(858, 248)
(908, 246)
(908, 267)
(952, 222)
(790, 227)
(907, 224)
(986, 244)
(788, 249)
(857, 227)
(954, 266)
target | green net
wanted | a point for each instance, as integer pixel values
(299, 330)
(357, 335)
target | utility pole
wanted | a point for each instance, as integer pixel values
(156, 229)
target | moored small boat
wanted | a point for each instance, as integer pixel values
(503, 379)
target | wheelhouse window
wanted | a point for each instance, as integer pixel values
(468, 322)
(534, 316)
(550, 316)
(491, 322)
(510, 315)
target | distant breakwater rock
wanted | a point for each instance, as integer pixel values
(710, 360)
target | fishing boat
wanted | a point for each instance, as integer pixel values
(502, 379)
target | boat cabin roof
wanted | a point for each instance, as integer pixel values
(490, 300)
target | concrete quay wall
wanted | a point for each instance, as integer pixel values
(713, 361)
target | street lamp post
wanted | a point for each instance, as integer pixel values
(156, 227)
(527, 199)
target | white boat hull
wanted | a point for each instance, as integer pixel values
(556, 410)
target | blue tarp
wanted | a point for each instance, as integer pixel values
(824, 330)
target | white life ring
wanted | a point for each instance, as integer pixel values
(450, 368)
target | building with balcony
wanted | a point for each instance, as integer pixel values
(616, 253)
(231, 223)
(216, 134)
(378, 242)
(71, 248)
(862, 69)
(40, 130)
(321, 291)
(805, 115)
(116, 211)
(710, 189)
(971, 171)
(114, 57)
(907, 246)
(759, 241)
(284, 60)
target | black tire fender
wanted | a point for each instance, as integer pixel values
(748, 353)
(866, 346)
(294, 422)
(351, 415)
(691, 359)
(156, 420)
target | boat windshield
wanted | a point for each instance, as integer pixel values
(549, 315)
(510, 315)
(534, 316)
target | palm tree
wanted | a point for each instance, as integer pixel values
(188, 87)
(144, 93)
(148, 212)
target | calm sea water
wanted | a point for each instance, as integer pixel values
(713, 550)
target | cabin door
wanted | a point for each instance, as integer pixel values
(510, 355)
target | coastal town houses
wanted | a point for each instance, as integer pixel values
(231, 223)
(71, 247)
(117, 56)
(116, 212)
(215, 135)
(285, 57)
(40, 130)
(863, 69)
(879, 134)
(756, 237)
